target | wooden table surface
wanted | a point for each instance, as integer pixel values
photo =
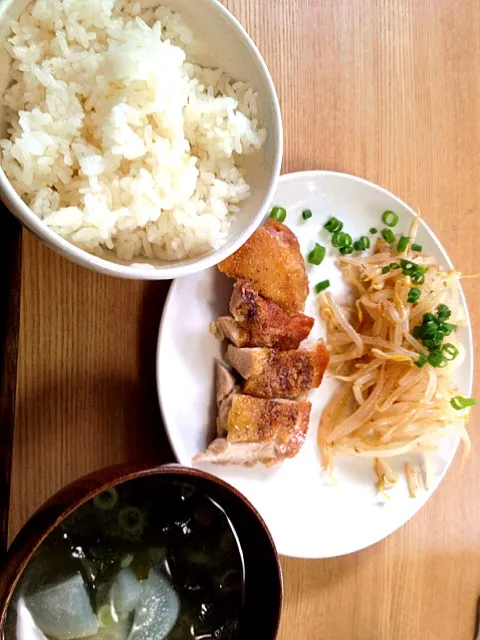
(385, 89)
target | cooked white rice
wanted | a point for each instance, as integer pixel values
(118, 139)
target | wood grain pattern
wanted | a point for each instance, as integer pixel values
(387, 90)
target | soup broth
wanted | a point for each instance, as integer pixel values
(150, 559)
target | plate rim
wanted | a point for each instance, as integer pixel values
(315, 173)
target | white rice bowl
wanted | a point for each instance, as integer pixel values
(118, 139)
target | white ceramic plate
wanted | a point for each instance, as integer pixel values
(308, 516)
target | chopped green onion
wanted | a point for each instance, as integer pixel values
(389, 267)
(413, 295)
(341, 239)
(436, 358)
(373, 231)
(415, 271)
(131, 520)
(428, 330)
(422, 360)
(390, 218)
(450, 351)
(321, 286)
(418, 278)
(388, 236)
(346, 250)
(306, 214)
(333, 225)
(278, 213)
(403, 243)
(433, 330)
(337, 238)
(317, 254)
(433, 343)
(106, 500)
(458, 402)
(409, 266)
(447, 328)
(416, 247)
(362, 243)
(441, 333)
(443, 312)
(105, 616)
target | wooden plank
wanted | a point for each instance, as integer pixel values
(388, 90)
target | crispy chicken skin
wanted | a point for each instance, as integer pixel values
(258, 322)
(272, 261)
(267, 324)
(270, 373)
(258, 420)
(266, 431)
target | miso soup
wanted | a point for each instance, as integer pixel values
(150, 559)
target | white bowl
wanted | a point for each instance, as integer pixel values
(227, 46)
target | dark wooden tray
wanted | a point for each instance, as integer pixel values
(10, 282)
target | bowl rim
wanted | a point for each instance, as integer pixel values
(145, 271)
(74, 495)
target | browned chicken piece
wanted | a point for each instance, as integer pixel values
(225, 389)
(224, 382)
(267, 324)
(250, 361)
(271, 259)
(266, 431)
(270, 373)
(227, 328)
(247, 454)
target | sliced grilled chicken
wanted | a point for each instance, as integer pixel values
(271, 373)
(224, 382)
(246, 454)
(227, 328)
(274, 429)
(249, 361)
(258, 322)
(267, 324)
(272, 261)
(224, 409)
(225, 389)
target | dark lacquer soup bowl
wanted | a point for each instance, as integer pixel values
(138, 553)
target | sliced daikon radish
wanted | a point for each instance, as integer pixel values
(158, 610)
(126, 591)
(26, 627)
(64, 610)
